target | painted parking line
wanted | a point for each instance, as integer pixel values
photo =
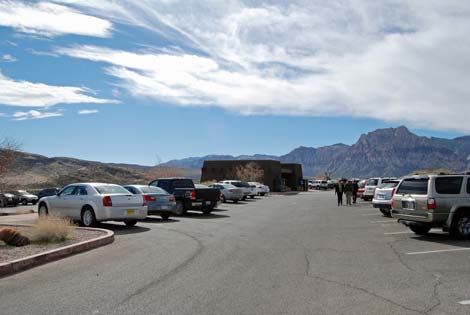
(395, 233)
(384, 221)
(440, 251)
(467, 302)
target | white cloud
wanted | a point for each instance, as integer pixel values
(393, 60)
(8, 58)
(34, 114)
(49, 19)
(88, 111)
(29, 94)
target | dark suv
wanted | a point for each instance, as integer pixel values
(424, 202)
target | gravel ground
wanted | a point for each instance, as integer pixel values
(9, 253)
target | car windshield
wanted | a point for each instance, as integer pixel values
(152, 190)
(111, 189)
(413, 186)
(229, 186)
(372, 182)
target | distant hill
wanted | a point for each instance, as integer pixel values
(390, 152)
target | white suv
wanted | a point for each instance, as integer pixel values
(372, 184)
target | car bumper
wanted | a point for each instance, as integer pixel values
(162, 208)
(234, 196)
(428, 217)
(382, 204)
(121, 213)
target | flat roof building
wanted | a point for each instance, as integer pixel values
(278, 176)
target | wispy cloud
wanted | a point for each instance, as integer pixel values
(41, 53)
(88, 111)
(49, 19)
(8, 58)
(29, 94)
(34, 114)
(375, 59)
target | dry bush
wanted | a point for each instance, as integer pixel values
(51, 229)
(208, 182)
(250, 172)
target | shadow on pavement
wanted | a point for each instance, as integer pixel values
(157, 219)
(121, 229)
(192, 215)
(441, 238)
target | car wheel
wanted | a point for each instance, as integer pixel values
(207, 211)
(24, 202)
(460, 228)
(252, 197)
(34, 202)
(262, 194)
(165, 216)
(42, 210)
(179, 208)
(88, 217)
(420, 229)
(244, 198)
(130, 222)
(235, 200)
(385, 212)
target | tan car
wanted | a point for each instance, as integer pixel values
(424, 202)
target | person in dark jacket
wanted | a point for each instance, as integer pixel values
(348, 190)
(355, 190)
(339, 188)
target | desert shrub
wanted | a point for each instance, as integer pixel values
(51, 229)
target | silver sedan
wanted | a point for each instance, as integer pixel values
(158, 201)
(229, 192)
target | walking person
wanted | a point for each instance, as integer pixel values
(348, 190)
(355, 190)
(339, 192)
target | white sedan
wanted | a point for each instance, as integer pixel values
(261, 189)
(95, 202)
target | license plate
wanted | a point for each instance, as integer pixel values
(129, 212)
(164, 207)
(408, 205)
(381, 197)
(207, 203)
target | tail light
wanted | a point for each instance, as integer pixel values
(230, 190)
(107, 201)
(193, 195)
(172, 198)
(393, 195)
(148, 199)
(220, 196)
(431, 203)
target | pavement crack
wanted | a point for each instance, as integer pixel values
(351, 286)
(399, 256)
(172, 272)
(435, 295)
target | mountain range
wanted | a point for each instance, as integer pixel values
(383, 152)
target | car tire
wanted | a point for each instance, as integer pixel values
(24, 202)
(206, 211)
(165, 216)
(180, 208)
(420, 229)
(252, 197)
(385, 212)
(261, 194)
(42, 210)
(460, 227)
(88, 218)
(130, 223)
(244, 198)
(235, 200)
(34, 202)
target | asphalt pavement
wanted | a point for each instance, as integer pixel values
(298, 254)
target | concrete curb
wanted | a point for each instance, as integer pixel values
(22, 264)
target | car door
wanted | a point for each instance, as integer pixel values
(60, 204)
(76, 202)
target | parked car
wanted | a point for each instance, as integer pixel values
(25, 197)
(91, 203)
(361, 188)
(383, 197)
(261, 189)
(229, 192)
(318, 184)
(332, 183)
(7, 199)
(48, 192)
(188, 197)
(247, 190)
(372, 184)
(424, 202)
(158, 201)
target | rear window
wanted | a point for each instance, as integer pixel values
(111, 189)
(183, 183)
(152, 190)
(449, 185)
(244, 184)
(372, 182)
(389, 185)
(414, 186)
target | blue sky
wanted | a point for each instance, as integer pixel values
(148, 81)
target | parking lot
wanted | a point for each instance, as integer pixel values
(298, 254)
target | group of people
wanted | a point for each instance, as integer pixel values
(349, 189)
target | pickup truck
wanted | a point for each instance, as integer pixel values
(187, 196)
